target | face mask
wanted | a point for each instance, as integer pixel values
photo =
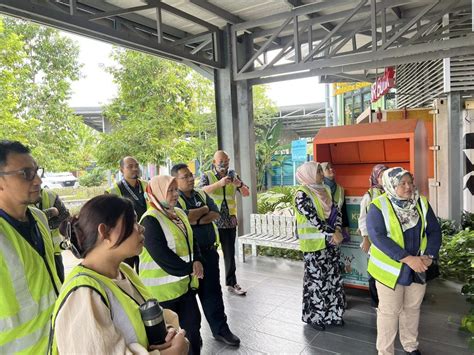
(222, 167)
(165, 204)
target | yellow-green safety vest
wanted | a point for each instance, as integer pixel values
(339, 195)
(311, 239)
(115, 190)
(125, 310)
(202, 194)
(30, 286)
(218, 194)
(48, 198)
(163, 286)
(382, 267)
(373, 194)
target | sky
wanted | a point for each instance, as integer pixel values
(96, 86)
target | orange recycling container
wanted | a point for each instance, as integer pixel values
(354, 150)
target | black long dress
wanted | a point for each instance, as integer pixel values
(323, 292)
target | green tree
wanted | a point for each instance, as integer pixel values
(36, 83)
(153, 112)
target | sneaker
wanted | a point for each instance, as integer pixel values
(237, 290)
(228, 337)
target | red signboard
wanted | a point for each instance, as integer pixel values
(383, 84)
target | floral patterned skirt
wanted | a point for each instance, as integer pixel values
(323, 291)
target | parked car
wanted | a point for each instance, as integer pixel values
(59, 180)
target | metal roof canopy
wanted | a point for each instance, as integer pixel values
(340, 40)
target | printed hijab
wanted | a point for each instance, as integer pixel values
(377, 171)
(306, 175)
(405, 209)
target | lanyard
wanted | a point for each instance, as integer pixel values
(130, 191)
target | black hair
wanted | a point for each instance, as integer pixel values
(7, 147)
(106, 209)
(178, 167)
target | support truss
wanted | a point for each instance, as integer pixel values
(127, 27)
(315, 39)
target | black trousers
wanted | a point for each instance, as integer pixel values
(374, 297)
(189, 318)
(227, 237)
(210, 292)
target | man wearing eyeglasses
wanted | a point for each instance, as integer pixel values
(202, 212)
(132, 188)
(28, 273)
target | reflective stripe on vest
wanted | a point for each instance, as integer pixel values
(310, 238)
(124, 310)
(218, 194)
(162, 285)
(202, 194)
(27, 294)
(381, 267)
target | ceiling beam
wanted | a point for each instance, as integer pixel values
(218, 11)
(396, 11)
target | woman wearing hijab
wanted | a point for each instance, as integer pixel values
(319, 233)
(337, 193)
(97, 311)
(405, 237)
(169, 264)
(375, 190)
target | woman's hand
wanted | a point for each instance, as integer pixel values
(175, 343)
(426, 260)
(365, 245)
(198, 270)
(415, 263)
(337, 238)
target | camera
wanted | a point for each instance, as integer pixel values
(231, 174)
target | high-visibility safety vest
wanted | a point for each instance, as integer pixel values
(48, 198)
(115, 190)
(373, 194)
(124, 310)
(311, 239)
(29, 289)
(202, 195)
(381, 267)
(338, 197)
(218, 194)
(163, 286)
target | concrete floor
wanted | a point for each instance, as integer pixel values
(268, 319)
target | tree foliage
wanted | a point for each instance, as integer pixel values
(37, 68)
(163, 109)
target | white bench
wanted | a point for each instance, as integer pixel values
(269, 230)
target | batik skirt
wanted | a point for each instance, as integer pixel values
(323, 292)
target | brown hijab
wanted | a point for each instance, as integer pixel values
(306, 175)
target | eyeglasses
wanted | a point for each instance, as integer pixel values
(29, 174)
(186, 177)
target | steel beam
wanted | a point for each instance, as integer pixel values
(370, 60)
(216, 10)
(120, 12)
(81, 25)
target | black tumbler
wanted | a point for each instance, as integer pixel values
(152, 316)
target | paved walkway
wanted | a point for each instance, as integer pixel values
(268, 319)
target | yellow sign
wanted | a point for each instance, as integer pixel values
(341, 88)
